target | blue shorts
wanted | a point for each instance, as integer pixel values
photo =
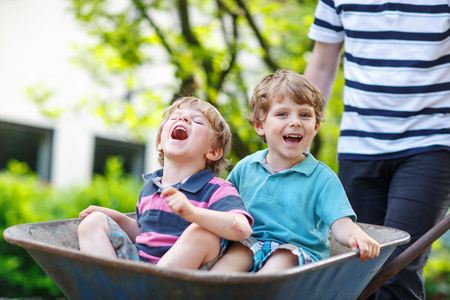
(263, 249)
(121, 243)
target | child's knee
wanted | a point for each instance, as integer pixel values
(94, 221)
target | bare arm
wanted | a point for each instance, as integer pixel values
(129, 225)
(229, 225)
(323, 65)
(351, 235)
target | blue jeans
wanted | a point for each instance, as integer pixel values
(411, 194)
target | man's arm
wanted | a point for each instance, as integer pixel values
(323, 65)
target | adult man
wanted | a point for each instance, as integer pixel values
(394, 146)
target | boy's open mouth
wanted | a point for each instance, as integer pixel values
(292, 138)
(179, 133)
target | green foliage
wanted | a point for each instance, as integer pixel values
(437, 270)
(329, 129)
(216, 50)
(25, 199)
(116, 190)
(41, 95)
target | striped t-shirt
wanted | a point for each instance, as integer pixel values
(397, 74)
(160, 228)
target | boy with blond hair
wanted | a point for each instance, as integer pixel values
(184, 210)
(293, 198)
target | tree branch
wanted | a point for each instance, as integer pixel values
(267, 58)
(141, 7)
(192, 40)
(232, 45)
(185, 23)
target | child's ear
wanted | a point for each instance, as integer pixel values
(159, 146)
(317, 126)
(258, 128)
(214, 154)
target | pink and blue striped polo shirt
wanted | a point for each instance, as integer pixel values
(160, 228)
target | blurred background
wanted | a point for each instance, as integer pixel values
(83, 85)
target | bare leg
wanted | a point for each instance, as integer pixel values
(195, 247)
(238, 258)
(280, 260)
(93, 235)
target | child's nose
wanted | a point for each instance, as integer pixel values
(184, 118)
(295, 122)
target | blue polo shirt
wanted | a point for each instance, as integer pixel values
(295, 206)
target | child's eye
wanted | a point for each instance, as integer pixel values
(281, 114)
(305, 115)
(198, 121)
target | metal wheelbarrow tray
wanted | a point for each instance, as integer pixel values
(54, 246)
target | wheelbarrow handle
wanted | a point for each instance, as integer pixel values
(401, 261)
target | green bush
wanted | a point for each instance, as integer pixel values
(21, 197)
(437, 270)
(25, 199)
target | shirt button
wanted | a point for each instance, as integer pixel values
(272, 178)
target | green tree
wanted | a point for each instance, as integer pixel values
(217, 50)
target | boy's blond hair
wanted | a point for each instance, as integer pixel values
(281, 84)
(221, 130)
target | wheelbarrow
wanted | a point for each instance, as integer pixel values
(54, 246)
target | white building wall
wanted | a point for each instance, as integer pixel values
(72, 152)
(36, 39)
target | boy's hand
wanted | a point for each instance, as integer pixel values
(351, 235)
(368, 247)
(89, 210)
(178, 203)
